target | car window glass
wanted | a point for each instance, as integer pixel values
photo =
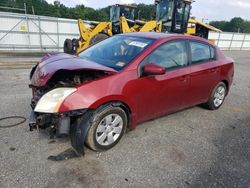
(201, 52)
(170, 55)
(117, 51)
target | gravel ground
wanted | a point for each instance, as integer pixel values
(191, 148)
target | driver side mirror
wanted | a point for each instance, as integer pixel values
(152, 69)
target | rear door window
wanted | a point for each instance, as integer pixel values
(201, 52)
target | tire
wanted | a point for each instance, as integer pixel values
(98, 38)
(217, 97)
(68, 46)
(107, 128)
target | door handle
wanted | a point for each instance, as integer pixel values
(214, 70)
(183, 78)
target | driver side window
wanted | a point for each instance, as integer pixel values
(170, 55)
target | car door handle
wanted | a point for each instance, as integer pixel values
(183, 78)
(214, 70)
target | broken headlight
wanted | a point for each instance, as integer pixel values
(51, 101)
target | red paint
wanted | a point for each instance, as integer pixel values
(147, 97)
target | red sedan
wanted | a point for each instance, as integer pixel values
(125, 80)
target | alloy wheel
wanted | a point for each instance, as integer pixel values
(109, 129)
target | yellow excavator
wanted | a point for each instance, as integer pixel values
(172, 16)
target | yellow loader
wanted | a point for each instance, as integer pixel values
(172, 16)
(121, 21)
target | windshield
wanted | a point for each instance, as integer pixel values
(164, 10)
(116, 52)
(128, 13)
(114, 13)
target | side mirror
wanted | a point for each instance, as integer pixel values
(152, 69)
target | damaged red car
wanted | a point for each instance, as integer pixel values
(125, 80)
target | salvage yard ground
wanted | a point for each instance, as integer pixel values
(191, 148)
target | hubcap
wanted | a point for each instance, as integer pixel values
(219, 96)
(109, 129)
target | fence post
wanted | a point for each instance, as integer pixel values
(27, 22)
(58, 47)
(243, 41)
(40, 33)
(218, 40)
(230, 46)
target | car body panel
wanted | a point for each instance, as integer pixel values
(60, 61)
(207, 74)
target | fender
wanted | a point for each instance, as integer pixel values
(123, 100)
(79, 132)
(78, 101)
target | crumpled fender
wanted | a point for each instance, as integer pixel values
(79, 131)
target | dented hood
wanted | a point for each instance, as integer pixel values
(51, 63)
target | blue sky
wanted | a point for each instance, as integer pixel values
(202, 9)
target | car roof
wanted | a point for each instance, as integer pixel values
(151, 35)
(158, 36)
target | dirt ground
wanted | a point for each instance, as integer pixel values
(191, 148)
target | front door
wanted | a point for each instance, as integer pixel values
(161, 94)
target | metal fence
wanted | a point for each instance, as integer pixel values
(231, 41)
(23, 32)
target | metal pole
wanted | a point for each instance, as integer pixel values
(243, 41)
(40, 33)
(27, 22)
(218, 39)
(58, 47)
(231, 42)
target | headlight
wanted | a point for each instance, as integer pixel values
(51, 101)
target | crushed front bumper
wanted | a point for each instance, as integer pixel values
(58, 122)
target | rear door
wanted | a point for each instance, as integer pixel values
(205, 72)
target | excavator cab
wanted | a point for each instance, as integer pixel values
(174, 15)
(117, 11)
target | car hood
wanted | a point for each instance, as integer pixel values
(53, 62)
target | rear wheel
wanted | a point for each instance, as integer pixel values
(98, 38)
(217, 97)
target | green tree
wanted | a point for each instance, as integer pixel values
(237, 24)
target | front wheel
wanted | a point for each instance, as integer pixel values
(217, 97)
(108, 126)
